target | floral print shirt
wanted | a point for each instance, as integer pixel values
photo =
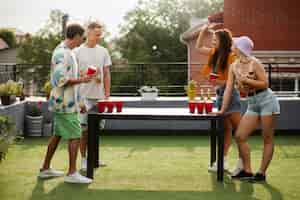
(64, 97)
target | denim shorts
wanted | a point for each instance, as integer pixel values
(262, 104)
(234, 104)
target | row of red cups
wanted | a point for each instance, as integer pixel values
(201, 106)
(108, 106)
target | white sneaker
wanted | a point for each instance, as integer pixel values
(83, 164)
(77, 178)
(102, 164)
(214, 167)
(49, 173)
(238, 168)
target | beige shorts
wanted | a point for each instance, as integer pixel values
(89, 104)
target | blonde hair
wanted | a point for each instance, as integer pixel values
(94, 25)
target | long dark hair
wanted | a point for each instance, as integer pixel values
(219, 59)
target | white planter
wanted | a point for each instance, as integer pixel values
(149, 96)
(34, 125)
(47, 129)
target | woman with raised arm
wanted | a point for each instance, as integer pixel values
(247, 74)
(216, 71)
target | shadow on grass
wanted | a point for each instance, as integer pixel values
(228, 190)
(138, 142)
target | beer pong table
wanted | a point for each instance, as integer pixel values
(216, 131)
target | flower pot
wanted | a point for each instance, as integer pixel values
(149, 96)
(34, 125)
(5, 100)
(47, 129)
(13, 99)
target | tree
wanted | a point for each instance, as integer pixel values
(151, 33)
(53, 25)
(9, 37)
(159, 23)
(204, 8)
(36, 51)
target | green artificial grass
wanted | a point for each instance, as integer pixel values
(150, 167)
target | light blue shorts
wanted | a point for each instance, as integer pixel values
(89, 104)
(262, 104)
(234, 104)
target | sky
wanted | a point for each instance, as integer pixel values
(30, 15)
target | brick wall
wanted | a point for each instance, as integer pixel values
(273, 24)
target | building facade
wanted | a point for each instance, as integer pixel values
(273, 25)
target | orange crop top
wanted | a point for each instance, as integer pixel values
(223, 75)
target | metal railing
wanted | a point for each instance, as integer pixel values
(170, 78)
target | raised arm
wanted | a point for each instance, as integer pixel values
(200, 41)
(203, 34)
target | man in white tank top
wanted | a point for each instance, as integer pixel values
(90, 54)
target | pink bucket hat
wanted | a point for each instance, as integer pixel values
(244, 44)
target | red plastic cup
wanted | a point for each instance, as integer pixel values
(213, 76)
(243, 94)
(209, 106)
(110, 106)
(200, 107)
(192, 107)
(101, 106)
(119, 106)
(91, 70)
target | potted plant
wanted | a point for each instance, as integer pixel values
(34, 119)
(12, 88)
(148, 93)
(20, 90)
(5, 98)
(7, 135)
(8, 92)
(191, 90)
(47, 89)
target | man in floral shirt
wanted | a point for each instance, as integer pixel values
(63, 102)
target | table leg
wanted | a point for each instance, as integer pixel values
(220, 172)
(93, 123)
(213, 141)
(97, 146)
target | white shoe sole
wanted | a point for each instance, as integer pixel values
(79, 182)
(49, 176)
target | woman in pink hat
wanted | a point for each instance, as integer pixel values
(247, 74)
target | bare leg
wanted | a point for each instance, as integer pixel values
(83, 143)
(268, 126)
(247, 125)
(227, 135)
(235, 119)
(73, 149)
(52, 146)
